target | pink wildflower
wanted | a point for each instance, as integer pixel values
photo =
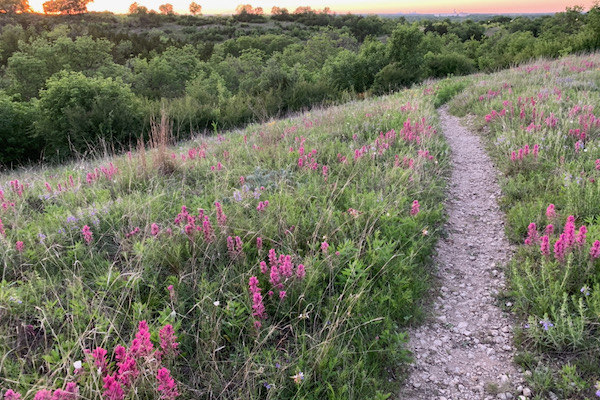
(259, 243)
(262, 205)
(71, 392)
(532, 234)
(166, 385)
(87, 234)
(300, 271)
(550, 212)
(230, 247)
(20, 246)
(545, 245)
(154, 229)
(141, 346)
(272, 257)
(536, 150)
(275, 278)
(113, 391)
(168, 342)
(257, 300)
(171, 292)
(324, 247)
(43, 395)
(414, 210)
(100, 361)
(263, 267)
(559, 248)
(128, 371)
(569, 232)
(282, 294)
(513, 156)
(549, 229)
(595, 250)
(221, 217)
(2, 231)
(581, 236)
(10, 395)
(286, 268)
(208, 230)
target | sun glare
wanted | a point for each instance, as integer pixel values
(353, 6)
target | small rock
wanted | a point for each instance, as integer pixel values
(526, 392)
(463, 325)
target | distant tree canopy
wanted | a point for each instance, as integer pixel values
(248, 9)
(135, 8)
(231, 72)
(66, 6)
(14, 6)
(166, 9)
(195, 8)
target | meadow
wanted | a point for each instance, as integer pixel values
(542, 129)
(284, 260)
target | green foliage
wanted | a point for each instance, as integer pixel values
(448, 64)
(447, 89)
(16, 131)
(268, 66)
(77, 113)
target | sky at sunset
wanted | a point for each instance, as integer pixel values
(344, 6)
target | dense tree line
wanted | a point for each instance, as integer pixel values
(68, 82)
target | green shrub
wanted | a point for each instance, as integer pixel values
(77, 113)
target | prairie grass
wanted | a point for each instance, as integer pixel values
(175, 234)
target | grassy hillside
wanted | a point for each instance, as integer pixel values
(284, 260)
(542, 127)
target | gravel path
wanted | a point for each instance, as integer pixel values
(464, 351)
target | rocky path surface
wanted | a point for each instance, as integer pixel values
(464, 351)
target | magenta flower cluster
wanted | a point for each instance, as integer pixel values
(141, 356)
(525, 151)
(281, 272)
(568, 241)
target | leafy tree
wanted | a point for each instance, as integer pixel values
(9, 41)
(166, 74)
(14, 6)
(135, 8)
(29, 68)
(303, 10)
(280, 14)
(77, 112)
(195, 8)
(345, 71)
(16, 121)
(406, 52)
(166, 9)
(66, 6)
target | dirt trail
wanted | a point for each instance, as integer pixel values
(464, 351)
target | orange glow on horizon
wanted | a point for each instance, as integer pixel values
(211, 7)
